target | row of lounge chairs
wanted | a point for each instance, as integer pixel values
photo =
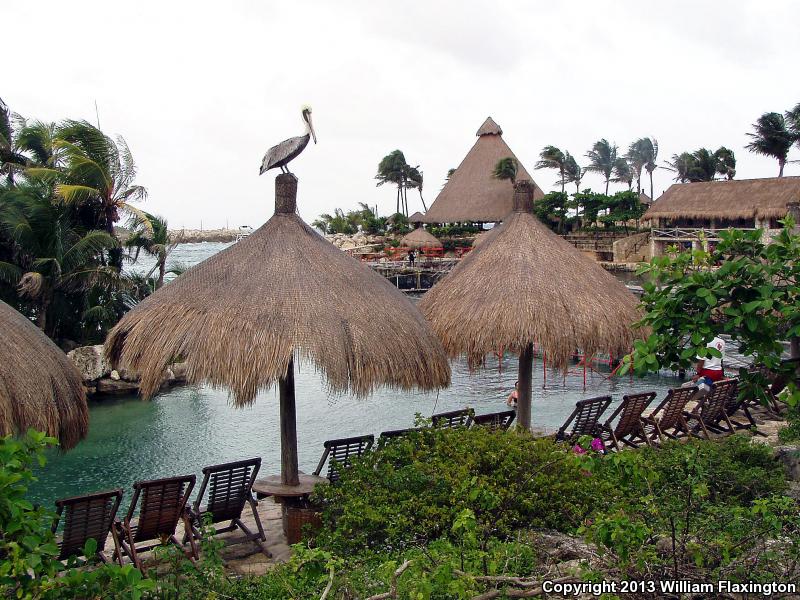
(714, 412)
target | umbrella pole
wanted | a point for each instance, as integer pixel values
(525, 377)
(289, 469)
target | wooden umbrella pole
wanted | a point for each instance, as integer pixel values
(525, 378)
(289, 469)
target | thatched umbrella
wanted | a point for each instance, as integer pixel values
(524, 284)
(239, 318)
(420, 238)
(39, 385)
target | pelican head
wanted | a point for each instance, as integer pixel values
(307, 121)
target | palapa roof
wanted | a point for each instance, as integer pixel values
(737, 199)
(645, 199)
(525, 284)
(417, 217)
(472, 193)
(238, 317)
(420, 238)
(39, 386)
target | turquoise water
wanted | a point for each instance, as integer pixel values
(185, 429)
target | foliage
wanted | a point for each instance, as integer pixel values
(602, 158)
(791, 433)
(752, 295)
(573, 173)
(394, 169)
(552, 158)
(506, 168)
(151, 236)
(453, 229)
(771, 137)
(552, 210)
(703, 165)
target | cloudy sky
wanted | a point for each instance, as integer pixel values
(200, 90)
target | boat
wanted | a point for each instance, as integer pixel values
(244, 231)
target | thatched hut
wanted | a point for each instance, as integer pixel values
(420, 238)
(472, 193)
(240, 318)
(40, 388)
(416, 218)
(524, 284)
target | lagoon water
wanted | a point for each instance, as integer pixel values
(185, 428)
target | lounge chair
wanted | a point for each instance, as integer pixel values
(230, 487)
(734, 404)
(498, 420)
(87, 517)
(709, 413)
(339, 452)
(584, 418)
(454, 418)
(392, 434)
(161, 504)
(629, 429)
(667, 420)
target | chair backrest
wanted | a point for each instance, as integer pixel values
(86, 517)
(339, 452)
(671, 408)
(712, 407)
(162, 504)
(730, 388)
(497, 420)
(630, 411)
(229, 487)
(584, 418)
(453, 418)
(392, 434)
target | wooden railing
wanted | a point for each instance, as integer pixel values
(692, 233)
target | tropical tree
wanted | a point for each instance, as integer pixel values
(642, 155)
(623, 173)
(338, 222)
(650, 153)
(726, 162)
(703, 165)
(793, 122)
(506, 168)
(681, 164)
(414, 180)
(553, 158)
(772, 138)
(12, 160)
(152, 238)
(38, 140)
(602, 158)
(636, 160)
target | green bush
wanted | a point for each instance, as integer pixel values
(791, 433)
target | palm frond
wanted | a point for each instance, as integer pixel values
(10, 273)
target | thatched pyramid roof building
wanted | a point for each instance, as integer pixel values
(39, 385)
(471, 193)
(417, 217)
(727, 200)
(419, 238)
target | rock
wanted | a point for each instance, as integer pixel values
(789, 456)
(128, 375)
(115, 375)
(179, 370)
(113, 387)
(90, 362)
(664, 546)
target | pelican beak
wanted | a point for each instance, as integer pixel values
(311, 128)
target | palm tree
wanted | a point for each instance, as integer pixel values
(602, 158)
(506, 168)
(414, 180)
(793, 122)
(636, 159)
(572, 171)
(771, 138)
(681, 165)
(623, 173)
(726, 162)
(705, 165)
(11, 159)
(38, 139)
(55, 258)
(153, 239)
(553, 158)
(393, 168)
(649, 148)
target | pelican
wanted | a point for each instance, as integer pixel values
(287, 150)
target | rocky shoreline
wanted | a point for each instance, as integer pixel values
(194, 236)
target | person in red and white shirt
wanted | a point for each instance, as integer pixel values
(709, 369)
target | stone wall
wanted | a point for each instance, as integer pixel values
(632, 249)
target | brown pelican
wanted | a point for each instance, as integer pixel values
(280, 155)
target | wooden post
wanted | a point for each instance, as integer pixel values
(289, 468)
(525, 384)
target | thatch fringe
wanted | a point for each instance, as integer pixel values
(238, 317)
(40, 388)
(727, 200)
(525, 284)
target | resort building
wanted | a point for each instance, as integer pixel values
(690, 214)
(472, 194)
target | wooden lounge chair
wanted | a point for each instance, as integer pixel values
(454, 418)
(339, 452)
(161, 504)
(230, 487)
(498, 420)
(734, 404)
(667, 420)
(709, 413)
(392, 434)
(584, 418)
(629, 429)
(87, 517)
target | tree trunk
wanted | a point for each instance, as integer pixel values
(289, 468)
(607, 187)
(651, 186)
(162, 267)
(563, 183)
(525, 377)
(782, 163)
(423, 201)
(114, 254)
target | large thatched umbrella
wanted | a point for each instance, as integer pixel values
(524, 284)
(239, 318)
(420, 238)
(39, 385)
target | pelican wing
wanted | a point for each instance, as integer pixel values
(279, 155)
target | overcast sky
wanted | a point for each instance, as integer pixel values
(200, 90)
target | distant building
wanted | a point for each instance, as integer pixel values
(689, 213)
(472, 194)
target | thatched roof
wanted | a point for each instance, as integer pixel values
(417, 217)
(480, 238)
(525, 284)
(419, 238)
(471, 193)
(742, 199)
(39, 385)
(238, 317)
(645, 199)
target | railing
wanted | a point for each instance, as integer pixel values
(692, 233)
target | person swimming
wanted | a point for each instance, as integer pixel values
(513, 396)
